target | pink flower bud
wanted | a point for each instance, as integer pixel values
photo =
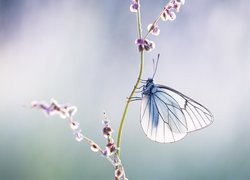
(119, 173)
(94, 147)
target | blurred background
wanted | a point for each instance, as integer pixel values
(82, 52)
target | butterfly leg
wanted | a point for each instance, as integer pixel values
(134, 98)
(143, 80)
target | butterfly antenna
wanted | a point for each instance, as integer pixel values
(155, 65)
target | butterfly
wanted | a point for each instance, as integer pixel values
(167, 115)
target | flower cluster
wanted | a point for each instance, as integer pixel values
(112, 150)
(107, 133)
(168, 11)
(64, 111)
(134, 6)
(67, 111)
(144, 44)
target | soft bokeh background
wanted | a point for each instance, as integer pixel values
(83, 52)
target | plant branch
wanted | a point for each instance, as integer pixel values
(135, 87)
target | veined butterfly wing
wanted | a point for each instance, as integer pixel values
(168, 115)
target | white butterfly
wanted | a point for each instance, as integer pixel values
(168, 115)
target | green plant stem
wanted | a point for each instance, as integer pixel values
(135, 87)
(128, 102)
(139, 22)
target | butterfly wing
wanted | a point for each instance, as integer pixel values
(197, 116)
(162, 118)
(167, 115)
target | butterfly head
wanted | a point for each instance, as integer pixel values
(149, 87)
(149, 82)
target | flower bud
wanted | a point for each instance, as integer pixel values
(111, 147)
(74, 125)
(78, 136)
(134, 6)
(119, 173)
(94, 147)
(107, 131)
(154, 29)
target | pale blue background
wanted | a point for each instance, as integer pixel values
(83, 52)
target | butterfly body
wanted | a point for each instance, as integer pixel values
(149, 88)
(168, 115)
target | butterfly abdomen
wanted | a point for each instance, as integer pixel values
(149, 89)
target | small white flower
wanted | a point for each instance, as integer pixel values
(94, 147)
(74, 125)
(78, 135)
(154, 29)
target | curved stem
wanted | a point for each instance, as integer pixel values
(135, 87)
(128, 102)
